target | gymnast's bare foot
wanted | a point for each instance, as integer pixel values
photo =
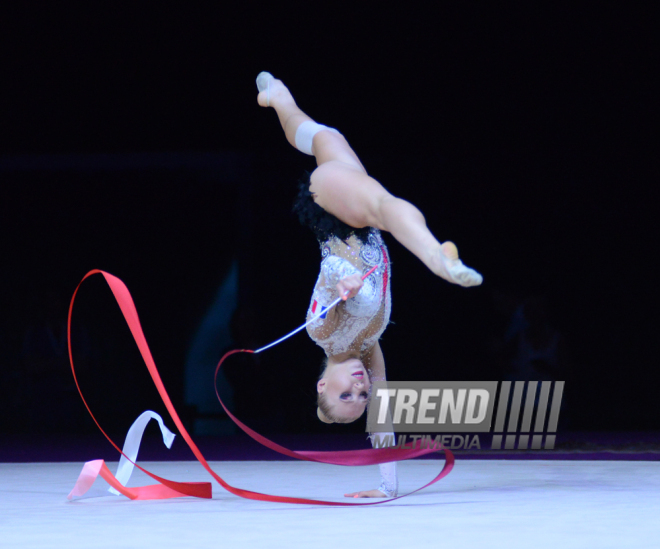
(446, 265)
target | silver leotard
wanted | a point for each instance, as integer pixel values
(364, 317)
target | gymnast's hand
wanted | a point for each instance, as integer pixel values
(366, 494)
(350, 286)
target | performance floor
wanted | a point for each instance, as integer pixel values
(482, 503)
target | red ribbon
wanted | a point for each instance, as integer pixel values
(169, 488)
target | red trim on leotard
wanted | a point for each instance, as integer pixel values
(385, 272)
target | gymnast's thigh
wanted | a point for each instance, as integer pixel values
(348, 193)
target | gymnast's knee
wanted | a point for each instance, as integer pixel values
(381, 208)
(306, 136)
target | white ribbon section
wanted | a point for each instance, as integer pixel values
(132, 445)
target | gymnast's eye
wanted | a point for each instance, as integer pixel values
(364, 394)
(345, 396)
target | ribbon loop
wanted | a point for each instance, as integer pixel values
(167, 488)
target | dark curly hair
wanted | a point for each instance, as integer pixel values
(323, 224)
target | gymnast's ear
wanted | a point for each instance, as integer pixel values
(322, 416)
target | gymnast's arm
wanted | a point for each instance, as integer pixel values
(374, 362)
(389, 485)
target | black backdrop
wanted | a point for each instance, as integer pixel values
(131, 142)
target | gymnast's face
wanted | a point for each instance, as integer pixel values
(345, 386)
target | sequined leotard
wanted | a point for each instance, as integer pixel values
(361, 320)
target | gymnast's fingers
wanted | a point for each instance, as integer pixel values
(366, 494)
(350, 286)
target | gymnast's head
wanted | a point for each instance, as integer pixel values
(343, 391)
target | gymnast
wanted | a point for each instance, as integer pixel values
(347, 209)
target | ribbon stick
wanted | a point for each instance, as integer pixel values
(168, 488)
(316, 316)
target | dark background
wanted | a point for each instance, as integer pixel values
(131, 142)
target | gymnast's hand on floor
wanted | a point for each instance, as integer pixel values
(366, 494)
(350, 286)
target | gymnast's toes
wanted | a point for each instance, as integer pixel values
(465, 276)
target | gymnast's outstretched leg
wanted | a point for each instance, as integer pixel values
(342, 187)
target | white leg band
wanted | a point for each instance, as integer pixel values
(305, 135)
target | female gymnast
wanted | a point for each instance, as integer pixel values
(347, 209)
